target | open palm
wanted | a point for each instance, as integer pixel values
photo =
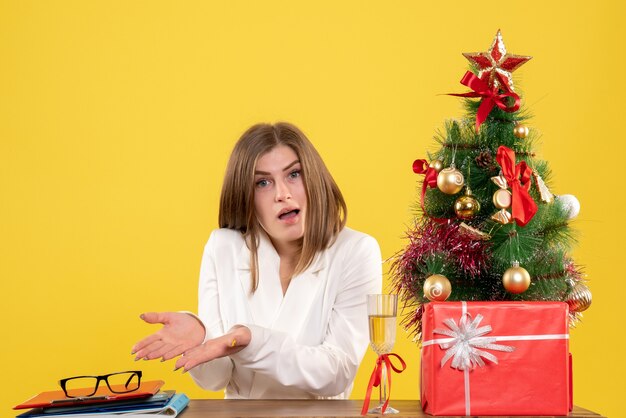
(180, 332)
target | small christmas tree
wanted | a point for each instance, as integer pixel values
(488, 228)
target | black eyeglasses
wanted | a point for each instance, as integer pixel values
(121, 382)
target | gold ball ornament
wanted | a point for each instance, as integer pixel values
(520, 131)
(466, 207)
(579, 298)
(516, 279)
(436, 165)
(437, 288)
(450, 180)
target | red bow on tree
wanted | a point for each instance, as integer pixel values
(490, 97)
(523, 207)
(375, 380)
(430, 180)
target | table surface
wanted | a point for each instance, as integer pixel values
(223, 408)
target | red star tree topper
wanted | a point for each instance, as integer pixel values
(495, 66)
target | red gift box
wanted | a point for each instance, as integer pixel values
(501, 358)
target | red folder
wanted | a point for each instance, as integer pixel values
(103, 395)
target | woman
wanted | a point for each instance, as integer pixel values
(283, 283)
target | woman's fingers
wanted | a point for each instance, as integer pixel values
(155, 317)
(161, 348)
(210, 350)
(180, 363)
(141, 345)
(189, 362)
(174, 351)
(147, 352)
(151, 318)
(156, 349)
(190, 365)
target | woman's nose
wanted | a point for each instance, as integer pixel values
(282, 191)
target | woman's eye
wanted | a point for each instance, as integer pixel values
(294, 174)
(262, 183)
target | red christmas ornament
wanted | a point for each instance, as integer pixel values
(496, 65)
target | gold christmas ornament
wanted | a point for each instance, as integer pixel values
(545, 194)
(520, 131)
(579, 298)
(466, 206)
(473, 233)
(516, 279)
(450, 180)
(436, 165)
(437, 288)
(502, 199)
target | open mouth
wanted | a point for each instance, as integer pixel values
(289, 214)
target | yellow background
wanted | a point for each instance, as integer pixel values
(117, 118)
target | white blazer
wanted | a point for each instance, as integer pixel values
(307, 344)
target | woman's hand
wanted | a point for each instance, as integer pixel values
(180, 332)
(230, 343)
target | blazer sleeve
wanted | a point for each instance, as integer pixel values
(216, 374)
(327, 369)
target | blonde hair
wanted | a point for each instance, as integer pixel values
(326, 208)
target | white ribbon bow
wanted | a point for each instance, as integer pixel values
(467, 340)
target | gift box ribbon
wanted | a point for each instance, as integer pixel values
(383, 360)
(467, 342)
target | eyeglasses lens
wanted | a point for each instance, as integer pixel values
(123, 382)
(81, 386)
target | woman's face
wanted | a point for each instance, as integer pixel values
(279, 195)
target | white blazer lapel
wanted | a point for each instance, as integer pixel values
(266, 300)
(243, 268)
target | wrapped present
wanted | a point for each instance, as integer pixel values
(495, 358)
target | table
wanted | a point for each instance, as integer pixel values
(223, 408)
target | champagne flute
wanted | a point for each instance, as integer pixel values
(382, 311)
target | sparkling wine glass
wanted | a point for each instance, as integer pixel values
(382, 311)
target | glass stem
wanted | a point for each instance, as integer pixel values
(382, 389)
